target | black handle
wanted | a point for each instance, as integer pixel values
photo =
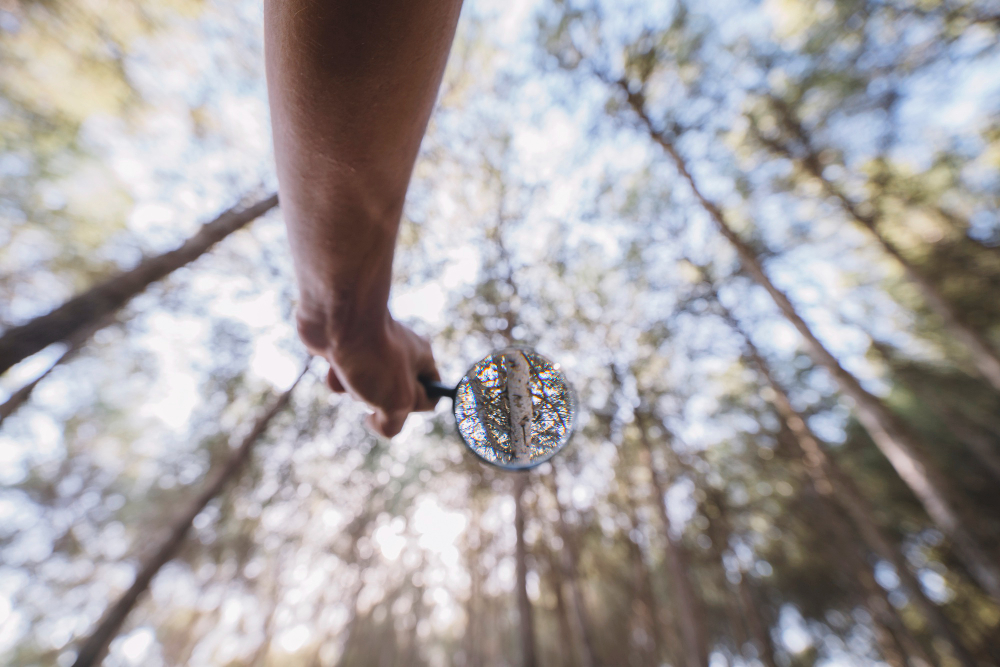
(437, 389)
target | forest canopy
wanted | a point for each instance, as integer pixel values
(760, 240)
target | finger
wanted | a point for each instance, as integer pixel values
(334, 383)
(387, 425)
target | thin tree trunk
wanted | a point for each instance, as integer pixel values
(22, 395)
(106, 298)
(519, 399)
(885, 429)
(897, 643)
(93, 649)
(473, 639)
(347, 654)
(831, 482)
(569, 560)
(980, 444)
(691, 621)
(645, 597)
(419, 612)
(984, 357)
(760, 631)
(721, 529)
(568, 643)
(526, 617)
(259, 656)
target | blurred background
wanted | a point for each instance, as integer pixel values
(760, 238)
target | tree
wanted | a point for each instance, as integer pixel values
(691, 618)
(886, 430)
(93, 649)
(105, 299)
(525, 612)
(983, 356)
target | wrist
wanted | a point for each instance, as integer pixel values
(342, 325)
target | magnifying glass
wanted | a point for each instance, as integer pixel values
(514, 409)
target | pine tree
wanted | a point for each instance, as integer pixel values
(93, 648)
(102, 301)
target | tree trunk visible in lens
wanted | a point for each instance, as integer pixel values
(691, 620)
(984, 357)
(93, 649)
(105, 299)
(885, 429)
(831, 482)
(526, 617)
(519, 399)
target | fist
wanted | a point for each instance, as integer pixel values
(379, 364)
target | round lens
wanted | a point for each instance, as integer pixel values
(514, 408)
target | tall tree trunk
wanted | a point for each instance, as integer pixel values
(980, 444)
(106, 298)
(721, 529)
(896, 642)
(525, 614)
(760, 631)
(984, 357)
(73, 346)
(474, 605)
(830, 481)
(259, 657)
(644, 596)
(567, 640)
(892, 438)
(691, 621)
(93, 649)
(569, 559)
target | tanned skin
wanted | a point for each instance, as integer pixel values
(351, 84)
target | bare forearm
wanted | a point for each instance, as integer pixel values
(351, 87)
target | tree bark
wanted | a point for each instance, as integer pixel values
(975, 440)
(761, 633)
(568, 562)
(568, 656)
(74, 345)
(721, 529)
(897, 644)
(691, 621)
(892, 438)
(473, 606)
(526, 616)
(106, 298)
(645, 598)
(519, 400)
(830, 482)
(21, 396)
(93, 649)
(983, 356)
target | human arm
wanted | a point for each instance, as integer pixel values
(351, 87)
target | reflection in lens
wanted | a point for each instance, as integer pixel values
(514, 408)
